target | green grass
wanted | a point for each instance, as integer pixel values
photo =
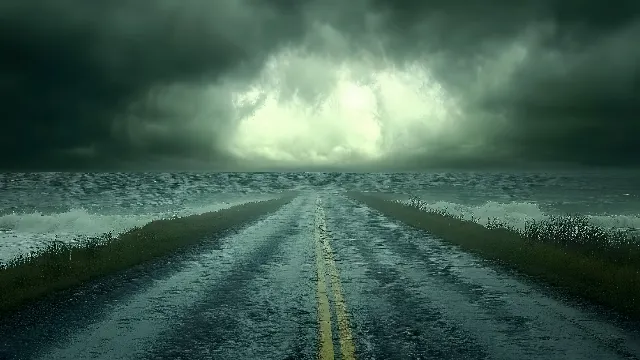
(572, 232)
(61, 266)
(564, 252)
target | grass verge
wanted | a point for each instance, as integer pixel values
(62, 266)
(598, 276)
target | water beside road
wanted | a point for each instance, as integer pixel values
(254, 294)
(38, 208)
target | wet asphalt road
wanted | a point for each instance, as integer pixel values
(388, 292)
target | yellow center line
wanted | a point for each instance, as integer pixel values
(323, 250)
(325, 350)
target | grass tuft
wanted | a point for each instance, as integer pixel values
(572, 232)
(599, 265)
(61, 266)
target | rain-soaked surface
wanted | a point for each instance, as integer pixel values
(253, 296)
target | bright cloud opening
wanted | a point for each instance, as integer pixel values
(313, 110)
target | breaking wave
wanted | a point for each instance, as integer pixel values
(29, 232)
(517, 215)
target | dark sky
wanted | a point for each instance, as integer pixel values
(154, 84)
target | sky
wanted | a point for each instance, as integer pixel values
(363, 85)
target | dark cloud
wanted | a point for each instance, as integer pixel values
(125, 83)
(579, 105)
(574, 97)
(69, 68)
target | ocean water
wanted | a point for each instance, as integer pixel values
(37, 208)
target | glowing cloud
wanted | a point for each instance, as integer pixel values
(359, 112)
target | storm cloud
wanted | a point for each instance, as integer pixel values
(366, 84)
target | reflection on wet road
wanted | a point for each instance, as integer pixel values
(323, 277)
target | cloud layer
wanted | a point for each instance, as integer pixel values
(366, 84)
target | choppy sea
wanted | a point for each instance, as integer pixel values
(37, 208)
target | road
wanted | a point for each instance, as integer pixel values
(323, 277)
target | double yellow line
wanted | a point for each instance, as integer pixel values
(326, 266)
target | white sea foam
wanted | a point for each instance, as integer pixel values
(24, 233)
(518, 214)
